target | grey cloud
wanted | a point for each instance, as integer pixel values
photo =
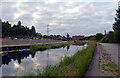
(76, 18)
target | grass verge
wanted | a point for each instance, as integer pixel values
(75, 65)
(111, 67)
(43, 47)
(81, 42)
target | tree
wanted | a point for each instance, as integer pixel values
(33, 29)
(99, 36)
(19, 23)
(68, 36)
(45, 36)
(17, 30)
(108, 38)
(116, 26)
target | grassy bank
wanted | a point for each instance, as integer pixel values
(75, 65)
(81, 42)
(43, 47)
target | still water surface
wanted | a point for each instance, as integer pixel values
(19, 63)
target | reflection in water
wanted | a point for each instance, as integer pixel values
(68, 47)
(78, 44)
(47, 56)
(23, 62)
(6, 58)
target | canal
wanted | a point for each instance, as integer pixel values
(19, 63)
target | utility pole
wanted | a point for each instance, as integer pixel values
(105, 32)
(48, 30)
(47, 50)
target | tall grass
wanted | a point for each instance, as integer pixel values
(43, 47)
(75, 65)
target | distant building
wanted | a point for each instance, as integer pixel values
(77, 37)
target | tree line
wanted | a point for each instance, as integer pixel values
(111, 36)
(114, 36)
(18, 30)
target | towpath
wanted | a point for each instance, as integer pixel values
(106, 61)
(26, 42)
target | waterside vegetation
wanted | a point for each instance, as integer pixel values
(43, 47)
(75, 65)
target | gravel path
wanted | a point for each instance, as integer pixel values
(112, 49)
(110, 54)
(105, 53)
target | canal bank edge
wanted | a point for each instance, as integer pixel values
(75, 65)
(12, 48)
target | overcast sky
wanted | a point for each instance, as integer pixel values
(76, 17)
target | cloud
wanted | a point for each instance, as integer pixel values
(54, 1)
(73, 17)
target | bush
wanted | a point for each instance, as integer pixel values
(111, 37)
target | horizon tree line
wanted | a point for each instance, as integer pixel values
(21, 31)
(18, 30)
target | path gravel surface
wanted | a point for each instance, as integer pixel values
(105, 53)
(112, 49)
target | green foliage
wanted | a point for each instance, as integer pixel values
(18, 31)
(111, 37)
(81, 42)
(33, 29)
(114, 37)
(116, 25)
(48, 46)
(64, 39)
(75, 65)
(55, 37)
(108, 37)
(117, 37)
(96, 37)
(99, 36)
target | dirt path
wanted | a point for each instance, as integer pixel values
(93, 68)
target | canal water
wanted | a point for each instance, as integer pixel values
(19, 63)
